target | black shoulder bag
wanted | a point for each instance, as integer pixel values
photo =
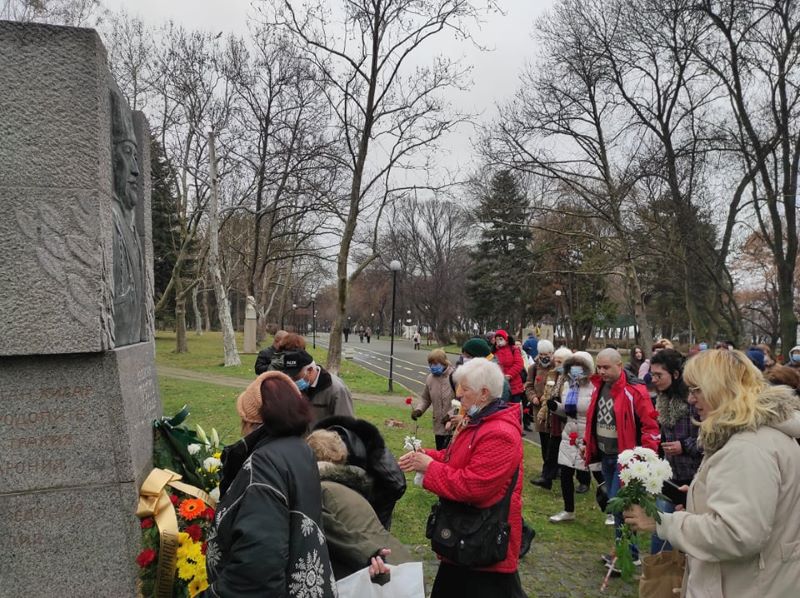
(470, 536)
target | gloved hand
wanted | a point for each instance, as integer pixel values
(552, 405)
(416, 414)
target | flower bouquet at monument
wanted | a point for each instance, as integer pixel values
(173, 561)
(642, 475)
(207, 454)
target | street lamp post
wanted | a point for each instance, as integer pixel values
(394, 266)
(558, 310)
(294, 316)
(313, 320)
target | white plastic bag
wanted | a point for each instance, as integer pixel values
(406, 582)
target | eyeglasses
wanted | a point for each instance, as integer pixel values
(693, 390)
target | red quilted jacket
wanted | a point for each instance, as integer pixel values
(636, 418)
(477, 469)
(509, 358)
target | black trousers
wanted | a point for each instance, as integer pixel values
(550, 465)
(460, 582)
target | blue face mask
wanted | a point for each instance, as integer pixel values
(576, 371)
(302, 384)
(473, 411)
(795, 357)
(560, 369)
(437, 369)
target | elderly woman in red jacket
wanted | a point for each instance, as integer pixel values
(478, 468)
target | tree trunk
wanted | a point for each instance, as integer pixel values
(223, 308)
(198, 320)
(639, 312)
(181, 344)
(788, 318)
(206, 313)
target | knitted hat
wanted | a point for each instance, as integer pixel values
(477, 347)
(757, 357)
(248, 404)
(502, 333)
(545, 346)
(291, 363)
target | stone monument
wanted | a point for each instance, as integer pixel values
(250, 321)
(78, 390)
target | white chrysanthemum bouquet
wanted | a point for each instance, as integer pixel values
(642, 475)
(412, 443)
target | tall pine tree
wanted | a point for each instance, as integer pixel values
(499, 283)
(163, 217)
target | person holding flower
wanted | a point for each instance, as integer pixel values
(267, 538)
(478, 468)
(572, 403)
(741, 524)
(439, 393)
(620, 417)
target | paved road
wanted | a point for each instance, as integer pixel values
(410, 366)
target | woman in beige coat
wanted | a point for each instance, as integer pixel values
(440, 392)
(741, 528)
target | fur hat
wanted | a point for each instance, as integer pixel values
(581, 358)
(545, 346)
(477, 347)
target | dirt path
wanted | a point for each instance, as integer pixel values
(234, 382)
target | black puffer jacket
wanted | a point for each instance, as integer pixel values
(367, 450)
(267, 538)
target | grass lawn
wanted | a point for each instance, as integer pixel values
(205, 355)
(564, 561)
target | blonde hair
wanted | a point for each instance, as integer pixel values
(732, 386)
(438, 356)
(327, 446)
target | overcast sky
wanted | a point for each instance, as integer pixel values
(495, 73)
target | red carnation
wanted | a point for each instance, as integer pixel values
(538, 378)
(208, 514)
(409, 400)
(174, 499)
(195, 532)
(147, 523)
(573, 437)
(147, 556)
(203, 548)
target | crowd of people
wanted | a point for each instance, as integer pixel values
(308, 493)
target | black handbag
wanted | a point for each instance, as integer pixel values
(470, 536)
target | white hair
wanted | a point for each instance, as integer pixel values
(481, 373)
(562, 353)
(545, 346)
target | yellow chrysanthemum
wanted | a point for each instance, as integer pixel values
(217, 455)
(186, 569)
(184, 544)
(197, 585)
(194, 552)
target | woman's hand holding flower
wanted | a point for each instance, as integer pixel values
(415, 461)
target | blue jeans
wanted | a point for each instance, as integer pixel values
(610, 470)
(656, 543)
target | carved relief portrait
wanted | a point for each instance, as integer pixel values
(128, 266)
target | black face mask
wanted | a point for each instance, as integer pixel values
(545, 361)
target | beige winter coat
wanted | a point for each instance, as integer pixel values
(438, 392)
(741, 529)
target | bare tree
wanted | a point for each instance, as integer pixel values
(568, 123)
(432, 240)
(377, 101)
(753, 48)
(75, 13)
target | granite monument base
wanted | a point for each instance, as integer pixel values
(76, 437)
